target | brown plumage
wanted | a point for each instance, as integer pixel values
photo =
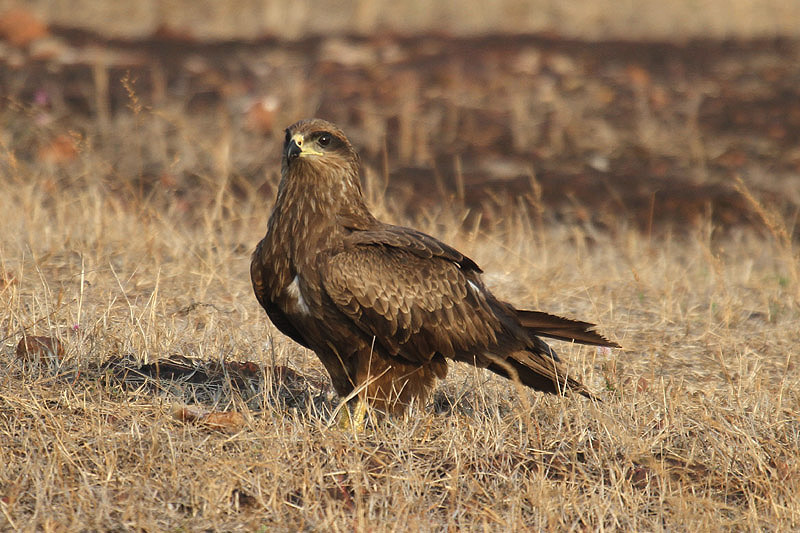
(381, 305)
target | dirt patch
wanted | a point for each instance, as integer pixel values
(654, 134)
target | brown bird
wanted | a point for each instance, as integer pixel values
(384, 306)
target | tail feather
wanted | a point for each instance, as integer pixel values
(537, 366)
(538, 371)
(564, 329)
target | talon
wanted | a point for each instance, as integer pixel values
(352, 421)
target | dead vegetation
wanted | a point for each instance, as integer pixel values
(169, 402)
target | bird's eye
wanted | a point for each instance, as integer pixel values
(324, 139)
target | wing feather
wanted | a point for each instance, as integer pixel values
(414, 299)
(413, 241)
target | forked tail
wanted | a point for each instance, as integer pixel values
(564, 329)
(538, 371)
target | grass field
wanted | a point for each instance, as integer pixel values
(583, 19)
(698, 428)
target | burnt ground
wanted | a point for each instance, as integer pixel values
(655, 135)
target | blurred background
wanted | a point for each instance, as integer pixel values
(599, 112)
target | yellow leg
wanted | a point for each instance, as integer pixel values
(354, 421)
(360, 414)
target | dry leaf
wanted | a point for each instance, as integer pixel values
(638, 76)
(189, 413)
(60, 150)
(223, 420)
(31, 347)
(261, 115)
(20, 27)
(227, 420)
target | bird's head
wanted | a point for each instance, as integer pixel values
(321, 170)
(318, 146)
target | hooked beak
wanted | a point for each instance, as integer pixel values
(297, 147)
(293, 151)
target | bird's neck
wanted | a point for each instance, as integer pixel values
(315, 216)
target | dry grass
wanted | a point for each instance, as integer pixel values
(583, 19)
(699, 428)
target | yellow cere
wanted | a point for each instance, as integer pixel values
(304, 150)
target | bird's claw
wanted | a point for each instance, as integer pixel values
(352, 421)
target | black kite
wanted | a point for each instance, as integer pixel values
(384, 306)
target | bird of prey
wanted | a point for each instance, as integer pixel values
(384, 307)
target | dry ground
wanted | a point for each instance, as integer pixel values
(698, 429)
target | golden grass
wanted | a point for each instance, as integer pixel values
(583, 19)
(698, 429)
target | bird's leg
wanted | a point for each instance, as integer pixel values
(359, 414)
(353, 421)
